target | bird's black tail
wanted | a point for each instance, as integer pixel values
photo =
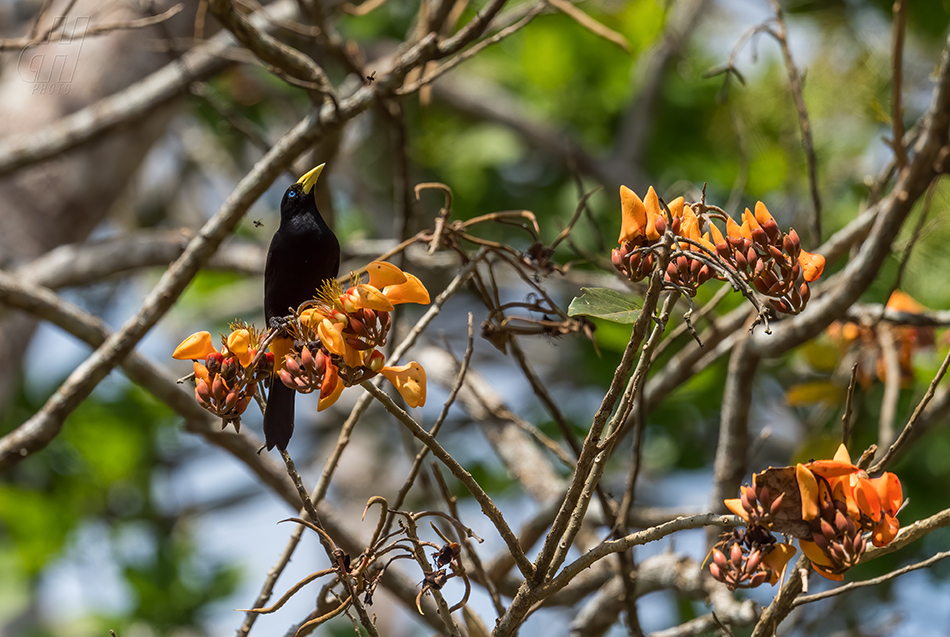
(279, 416)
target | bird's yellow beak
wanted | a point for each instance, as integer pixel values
(308, 180)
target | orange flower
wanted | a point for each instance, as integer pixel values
(196, 347)
(372, 299)
(762, 214)
(331, 336)
(238, 343)
(877, 498)
(410, 381)
(652, 205)
(410, 291)
(633, 220)
(733, 230)
(812, 265)
(778, 559)
(383, 273)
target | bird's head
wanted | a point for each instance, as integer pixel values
(299, 197)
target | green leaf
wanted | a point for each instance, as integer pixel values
(605, 304)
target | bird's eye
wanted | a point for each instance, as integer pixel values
(291, 193)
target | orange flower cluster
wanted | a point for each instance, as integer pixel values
(226, 381)
(334, 345)
(828, 505)
(769, 260)
(841, 503)
(340, 334)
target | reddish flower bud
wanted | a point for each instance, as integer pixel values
(218, 389)
(358, 345)
(287, 379)
(741, 263)
(292, 366)
(735, 554)
(231, 399)
(203, 394)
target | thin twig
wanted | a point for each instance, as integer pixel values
(846, 423)
(905, 434)
(897, 68)
(488, 507)
(795, 84)
(807, 599)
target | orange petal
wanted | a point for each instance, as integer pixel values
(331, 378)
(866, 497)
(831, 468)
(808, 487)
(195, 347)
(843, 491)
(410, 381)
(735, 505)
(329, 399)
(705, 242)
(842, 455)
(762, 214)
(383, 273)
(886, 530)
(652, 204)
(311, 317)
(238, 343)
(331, 337)
(676, 206)
(815, 554)
(201, 373)
(812, 265)
(717, 237)
(281, 348)
(690, 227)
(412, 291)
(749, 218)
(372, 299)
(732, 228)
(778, 559)
(903, 302)
(889, 492)
(748, 224)
(352, 357)
(633, 215)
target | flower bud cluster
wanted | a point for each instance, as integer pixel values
(751, 557)
(226, 380)
(839, 539)
(739, 559)
(769, 260)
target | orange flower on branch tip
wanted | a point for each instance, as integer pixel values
(410, 381)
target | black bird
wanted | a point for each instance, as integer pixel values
(302, 255)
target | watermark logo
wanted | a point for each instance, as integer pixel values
(51, 69)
